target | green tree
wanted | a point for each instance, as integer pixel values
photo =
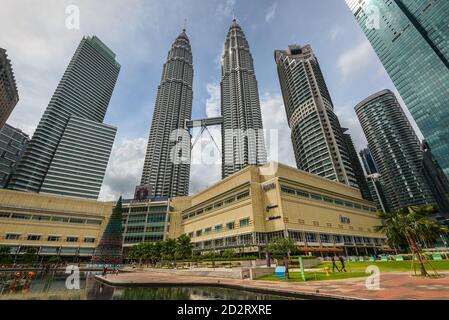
(30, 256)
(136, 253)
(412, 225)
(5, 256)
(169, 250)
(184, 247)
(282, 247)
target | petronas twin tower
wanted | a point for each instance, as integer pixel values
(167, 161)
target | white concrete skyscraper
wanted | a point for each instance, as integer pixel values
(167, 168)
(318, 140)
(242, 131)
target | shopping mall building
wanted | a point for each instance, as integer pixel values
(243, 212)
(249, 209)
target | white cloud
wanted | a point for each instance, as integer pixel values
(356, 59)
(40, 46)
(348, 119)
(124, 169)
(214, 100)
(226, 9)
(274, 118)
(271, 12)
(205, 169)
(336, 32)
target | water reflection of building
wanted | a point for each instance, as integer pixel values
(98, 291)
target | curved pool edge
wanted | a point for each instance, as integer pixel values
(221, 283)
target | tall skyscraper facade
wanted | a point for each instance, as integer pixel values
(242, 137)
(8, 89)
(374, 180)
(166, 168)
(12, 143)
(356, 166)
(318, 141)
(70, 149)
(368, 162)
(411, 38)
(395, 149)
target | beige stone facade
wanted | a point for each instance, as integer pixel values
(258, 204)
(55, 225)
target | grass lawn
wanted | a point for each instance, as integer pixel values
(316, 276)
(387, 266)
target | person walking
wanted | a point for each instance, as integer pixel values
(342, 261)
(334, 264)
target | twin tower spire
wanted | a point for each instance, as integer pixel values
(167, 161)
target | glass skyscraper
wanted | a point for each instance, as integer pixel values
(70, 149)
(318, 141)
(396, 150)
(411, 38)
(12, 143)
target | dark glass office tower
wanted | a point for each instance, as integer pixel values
(395, 149)
(70, 149)
(356, 166)
(436, 179)
(318, 142)
(167, 161)
(242, 137)
(368, 162)
(411, 38)
(8, 89)
(12, 143)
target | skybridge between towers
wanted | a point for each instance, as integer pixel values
(203, 124)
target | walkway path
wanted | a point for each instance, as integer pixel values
(394, 286)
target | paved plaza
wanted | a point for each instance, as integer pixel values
(393, 286)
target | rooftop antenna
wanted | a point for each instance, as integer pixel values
(234, 18)
(185, 25)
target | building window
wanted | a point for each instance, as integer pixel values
(230, 225)
(53, 238)
(311, 237)
(199, 233)
(33, 237)
(21, 216)
(190, 234)
(95, 222)
(208, 231)
(136, 229)
(59, 219)
(244, 223)
(41, 218)
(72, 239)
(243, 195)
(325, 238)
(79, 221)
(89, 240)
(219, 228)
(12, 236)
(338, 239)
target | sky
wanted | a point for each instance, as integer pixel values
(141, 32)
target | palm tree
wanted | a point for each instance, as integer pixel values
(412, 225)
(283, 247)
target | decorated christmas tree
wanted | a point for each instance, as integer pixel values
(110, 250)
